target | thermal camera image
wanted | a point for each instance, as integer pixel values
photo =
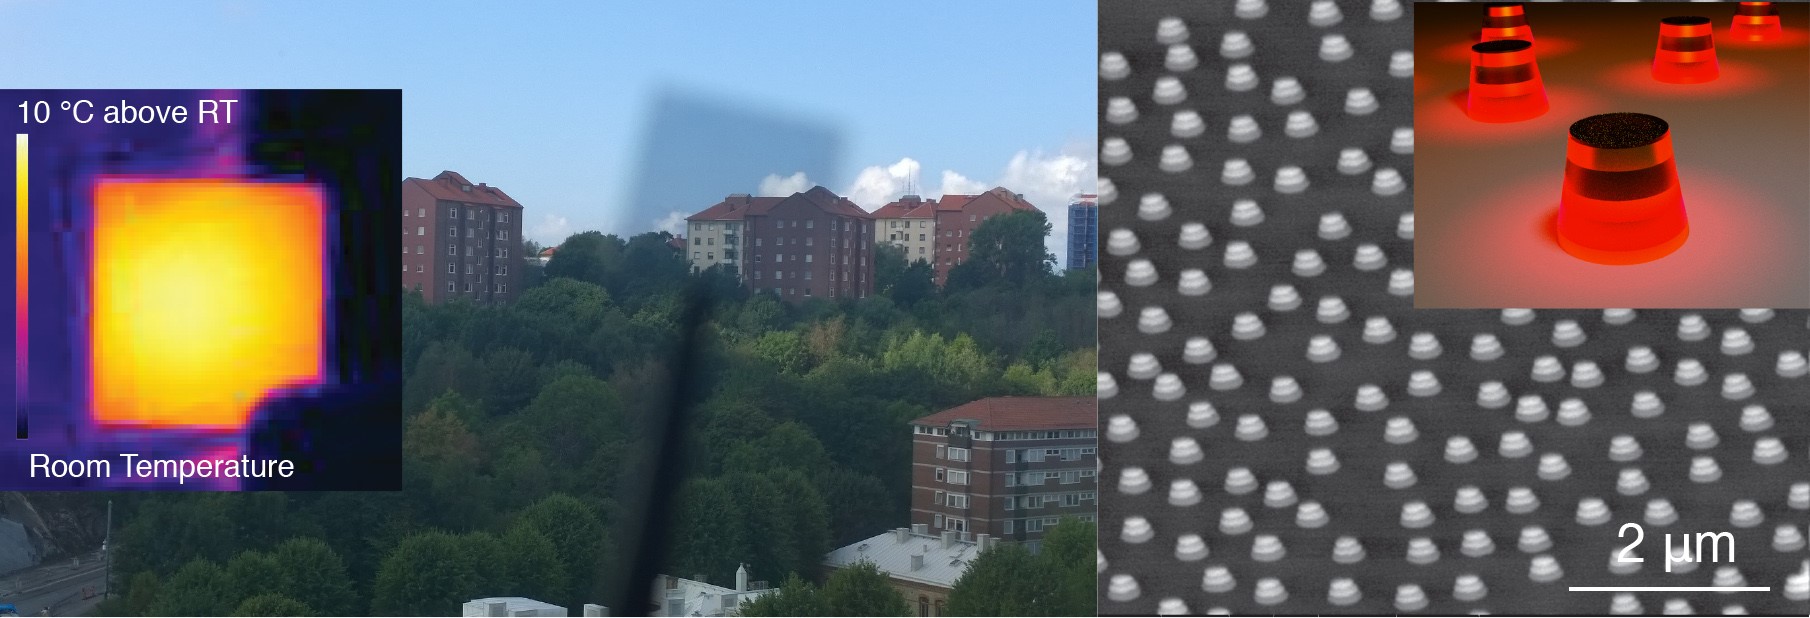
(1639, 155)
(203, 291)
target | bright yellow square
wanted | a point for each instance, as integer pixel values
(207, 294)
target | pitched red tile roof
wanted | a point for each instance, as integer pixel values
(926, 211)
(452, 186)
(1022, 413)
(734, 207)
(954, 202)
(901, 208)
(548, 251)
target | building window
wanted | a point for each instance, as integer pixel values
(923, 605)
(972, 217)
(420, 230)
(779, 274)
(503, 217)
(450, 288)
(471, 232)
(696, 254)
(1008, 528)
(941, 609)
(1011, 503)
(958, 525)
(697, 227)
(958, 454)
(405, 268)
(420, 212)
(451, 269)
(468, 286)
(1011, 455)
(920, 237)
(942, 451)
(1071, 499)
(937, 521)
(958, 477)
(807, 277)
(502, 287)
(1033, 525)
(757, 273)
(502, 234)
(710, 256)
(808, 223)
(452, 249)
(920, 250)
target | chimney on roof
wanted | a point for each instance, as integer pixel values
(917, 561)
(920, 528)
(982, 539)
(901, 534)
(948, 539)
(741, 578)
(496, 608)
(593, 609)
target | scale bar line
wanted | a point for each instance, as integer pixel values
(1671, 589)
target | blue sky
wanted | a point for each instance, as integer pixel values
(550, 100)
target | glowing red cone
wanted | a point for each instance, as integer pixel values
(1505, 82)
(1756, 22)
(1687, 53)
(1621, 203)
(1506, 20)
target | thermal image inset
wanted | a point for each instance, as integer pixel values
(204, 301)
(206, 294)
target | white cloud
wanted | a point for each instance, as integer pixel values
(876, 186)
(673, 222)
(1048, 180)
(775, 185)
(957, 184)
(551, 230)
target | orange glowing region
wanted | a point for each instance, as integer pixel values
(207, 294)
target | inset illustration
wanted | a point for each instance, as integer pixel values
(1634, 155)
(204, 290)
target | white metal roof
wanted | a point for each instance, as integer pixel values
(942, 565)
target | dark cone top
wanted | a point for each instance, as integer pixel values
(1619, 130)
(1501, 47)
(1686, 20)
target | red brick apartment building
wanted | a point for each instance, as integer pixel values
(811, 244)
(460, 239)
(1005, 466)
(939, 230)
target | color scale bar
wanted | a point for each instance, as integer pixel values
(1671, 588)
(22, 279)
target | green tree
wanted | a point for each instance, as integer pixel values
(199, 588)
(805, 511)
(316, 576)
(572, 416)
(141, 592)
(902, 278)
(1003, 581)
(253, 573)
(428, 574)
(862, 590)
(271, 604)
(1069, 553)
(445, 366)
(788, 446)
(708, 536)
(441, 469)
(589, 256)
(577, 535)
(1007, 249)
(511, 380)
(531, 564)
(858, 504)
(795, 597)
(166, 531)
(785, 350)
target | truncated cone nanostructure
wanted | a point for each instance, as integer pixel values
(1756, 22)
(1505, 82)
(1506, 20)
(1621, 203)
(1686, 53)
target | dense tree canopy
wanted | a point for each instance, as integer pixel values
(527, 424)
(1009, 581)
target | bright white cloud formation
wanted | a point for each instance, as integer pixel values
(551, 230)
(775, 185)
(957, 184)
(877, 185)
(673, 222)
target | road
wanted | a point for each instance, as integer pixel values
(57, 586)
